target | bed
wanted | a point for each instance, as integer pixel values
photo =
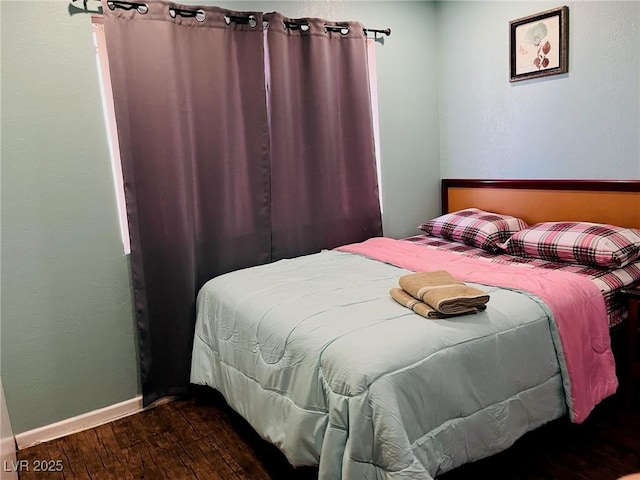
(317, 357)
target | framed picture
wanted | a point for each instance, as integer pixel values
(539, 44)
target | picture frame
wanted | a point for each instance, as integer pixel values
(539, 44)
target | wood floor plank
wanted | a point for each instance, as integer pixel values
(203, 439)
(108, 445)
(207, 464)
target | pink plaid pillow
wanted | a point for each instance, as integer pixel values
(474, 227)
(577, 242)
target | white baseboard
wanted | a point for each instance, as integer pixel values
(79, 423)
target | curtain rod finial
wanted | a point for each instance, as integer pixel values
(73, 9)
(376, 31)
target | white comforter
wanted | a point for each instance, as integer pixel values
(320, 360)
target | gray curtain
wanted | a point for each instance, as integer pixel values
(191, 113)
(212, 183)
(324, 190)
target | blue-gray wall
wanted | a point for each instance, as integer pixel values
(67, 343)
(583, 124)
(67, 330)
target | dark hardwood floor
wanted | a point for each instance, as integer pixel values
(202, 438)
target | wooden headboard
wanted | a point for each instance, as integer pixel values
(616, 202)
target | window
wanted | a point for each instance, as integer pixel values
(110, 122)
(112, 132)
(373, 87)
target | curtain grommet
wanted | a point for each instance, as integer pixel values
(293, 25)
(141, 8)
(253, 21)
(342, 29)
(199, 14)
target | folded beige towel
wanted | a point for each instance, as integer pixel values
(443, 292)
(421, 308)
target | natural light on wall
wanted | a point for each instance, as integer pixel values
(373, 87)
(110, 121)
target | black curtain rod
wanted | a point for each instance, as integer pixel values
(304, 26)
(199, 15)
(386, 31)
(73, 9)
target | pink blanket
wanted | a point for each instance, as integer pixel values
(577, 304)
